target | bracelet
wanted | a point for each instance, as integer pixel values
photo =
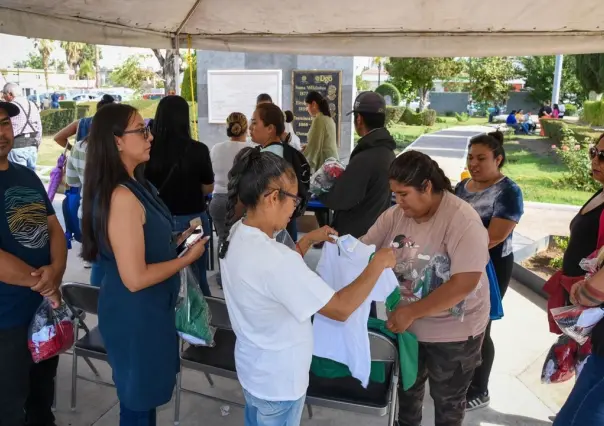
(371, 257)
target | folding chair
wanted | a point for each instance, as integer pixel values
(218, 360)
(347, 394)
(84, 298)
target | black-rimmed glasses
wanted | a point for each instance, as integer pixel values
(145, 131)
(297, 200)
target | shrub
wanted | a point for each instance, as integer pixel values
(393, 114)
(562, 244)
(428, 117)
(440, 120)
(411, 118)
(463, 117)
(388, 89)
(54, 120)
(558, 130)
(593, 112)
(67, 104)
(553, 129)
(82, 110)
(450, 113)
(571, 110)
(578, 163)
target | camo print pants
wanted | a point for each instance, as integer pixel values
(449, 368)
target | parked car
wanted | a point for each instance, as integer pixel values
(85, 97)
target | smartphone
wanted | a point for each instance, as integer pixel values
(194, 236)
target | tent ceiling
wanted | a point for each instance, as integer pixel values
(335, 27)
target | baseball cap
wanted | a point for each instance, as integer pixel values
(11, 109)
(370, 102)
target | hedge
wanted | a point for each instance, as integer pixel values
(593, 112)
(54, 120)
(556, 130)
(68, 104)
(571, 110)
(424, 118)
(388, 89)
(394, 114)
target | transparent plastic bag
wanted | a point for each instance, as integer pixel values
(560, 362)
(51, 331)
(284, 238)
(193, 316)
(577, 322)
(323, 179)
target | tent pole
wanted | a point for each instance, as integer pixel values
(557, 79)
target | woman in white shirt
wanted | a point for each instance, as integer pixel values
(222, 156)
(271, 294)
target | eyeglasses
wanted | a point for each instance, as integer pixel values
(145, 131)
(297, 200)
(595, 152)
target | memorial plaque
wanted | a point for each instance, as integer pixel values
(329, 84)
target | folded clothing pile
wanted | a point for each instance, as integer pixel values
(51, 332)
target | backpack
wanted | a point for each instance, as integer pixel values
(302, 170)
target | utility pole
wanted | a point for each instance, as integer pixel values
(96, 67)
(557, 79)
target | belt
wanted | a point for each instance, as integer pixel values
(25, 140)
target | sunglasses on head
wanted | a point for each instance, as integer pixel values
(595, 152)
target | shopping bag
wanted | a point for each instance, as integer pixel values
(577, 322)
(193, 316)
(561, 361)
(496, 305)
(51, 331)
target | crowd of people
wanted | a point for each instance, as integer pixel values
(136, 190)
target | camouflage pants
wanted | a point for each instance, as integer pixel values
(449, 368)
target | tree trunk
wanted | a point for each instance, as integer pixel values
(97, 71)
(423, 98)
(168, 72)
(379, 73)
(45, 64)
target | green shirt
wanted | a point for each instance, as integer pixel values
(321, 142)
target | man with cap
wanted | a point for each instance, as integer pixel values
(27, 127)
(363, 193)
(33, 255)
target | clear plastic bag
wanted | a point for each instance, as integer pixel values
(51, 331)
(577, 322)
(560, 362)
(193, 316)
(323, 179)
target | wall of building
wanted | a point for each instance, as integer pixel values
(522, 100)
(210, 60)
(443, 102)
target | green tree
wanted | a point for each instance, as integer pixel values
(190, 71)
(362, 85)
(490, 78)
(34, 60)
(130, 74)
(45, 47)
(86, 71)
(420, 73)
(379, 62)
(590, 72)
(538, 72)
(73, 54)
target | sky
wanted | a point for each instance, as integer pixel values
(16, 48)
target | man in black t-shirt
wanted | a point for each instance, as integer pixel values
(33, 256)
(545, 110)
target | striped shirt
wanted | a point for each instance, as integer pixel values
(74, 171)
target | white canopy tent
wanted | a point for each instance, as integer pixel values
(410, 28)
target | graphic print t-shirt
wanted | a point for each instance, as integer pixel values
(453, 241)
(24, 234)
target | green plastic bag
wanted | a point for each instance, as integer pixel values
(193, 316)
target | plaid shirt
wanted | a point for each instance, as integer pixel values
(19, 122)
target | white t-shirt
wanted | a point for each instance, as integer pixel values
(348, 342)
(295, 140)
(271, 295)
(222, 156)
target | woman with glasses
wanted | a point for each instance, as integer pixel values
(181, 170)
(586, 236)
(128, 229)
(498, 201)
(271, 294)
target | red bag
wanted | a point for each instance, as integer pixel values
(51, 331)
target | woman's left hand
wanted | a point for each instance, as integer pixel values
(322, 234)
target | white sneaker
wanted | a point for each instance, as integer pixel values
(87, 265)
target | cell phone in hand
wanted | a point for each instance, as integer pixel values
(195, 236)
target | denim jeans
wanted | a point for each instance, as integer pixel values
(585, 404)
(259, 412)
(137, 418)
(181, 224)
(27, 157)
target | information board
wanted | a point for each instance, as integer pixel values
(326, 82)
(236, 91)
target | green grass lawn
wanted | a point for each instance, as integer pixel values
(49, 152)
(540, 177)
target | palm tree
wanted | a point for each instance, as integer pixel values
(73, 54)
(379, 61)
(45, 47)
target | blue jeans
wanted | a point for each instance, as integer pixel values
(585, 405)
(137, 418)
(259, 412)
(27, 156)
(71, 204)
(181, 224)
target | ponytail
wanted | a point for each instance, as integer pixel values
(320, 101)
(414, 168)
(251, 175)
(494, 141)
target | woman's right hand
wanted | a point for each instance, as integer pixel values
(196, 250)
(385, 258)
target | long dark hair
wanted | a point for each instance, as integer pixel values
(493, 141)
(171, 133)
(414, 168)
(252, 173)
(320, 100)
(103, 173)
